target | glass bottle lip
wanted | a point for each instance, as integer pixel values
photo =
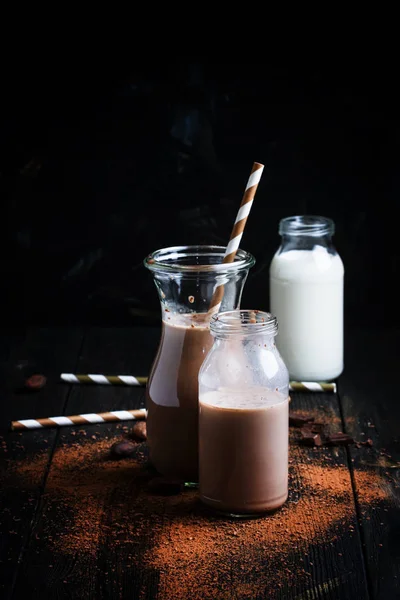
(244, 322)
(311, 225)
(196, 259)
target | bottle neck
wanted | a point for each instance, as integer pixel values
(244, 324)
(304, 232)
(305, 242)
(232, 340)
(187, 276)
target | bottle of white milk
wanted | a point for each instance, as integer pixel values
(306, 296)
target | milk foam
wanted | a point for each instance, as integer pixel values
(249, 398)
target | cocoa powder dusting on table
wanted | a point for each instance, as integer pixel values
(96, 503)
(195, 553)
(28, 473)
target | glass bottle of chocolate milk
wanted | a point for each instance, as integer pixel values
(244, 416)
(185, 278)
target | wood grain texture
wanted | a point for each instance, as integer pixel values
(371, 410)
(24, 458)
(49, 571)
(130, 532)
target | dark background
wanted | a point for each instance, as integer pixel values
(99, 167)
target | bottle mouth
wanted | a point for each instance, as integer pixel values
(196, 259)
(313, 225)
(245, 322)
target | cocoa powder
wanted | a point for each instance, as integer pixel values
(193, 554)
(96, 504)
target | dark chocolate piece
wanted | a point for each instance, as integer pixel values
(308, 438)
(339, 439)
(297, 421)
(315, 427)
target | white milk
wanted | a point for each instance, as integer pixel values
(306, 296)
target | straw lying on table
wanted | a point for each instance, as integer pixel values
(104, 379)
(85, 419)
(312, 386)
(294, 386)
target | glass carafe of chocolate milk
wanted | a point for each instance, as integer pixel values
(244, 416)
(185, 278)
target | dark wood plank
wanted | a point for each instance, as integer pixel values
(24, 457)
(142, 545)
(52, 565)
(371, 410)
(330, 547)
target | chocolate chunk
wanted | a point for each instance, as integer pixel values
(164, 486)
(315, 427)
(297, 421)
(139, 431)
(308, 438)
(339, 439)
(35, 382)
(122, 449)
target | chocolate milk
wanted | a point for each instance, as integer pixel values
(243, 436)
(172, 398)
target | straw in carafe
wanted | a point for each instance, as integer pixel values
(237, 230)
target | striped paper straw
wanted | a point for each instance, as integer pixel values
(104, 379)
(238, 228)
(89, 418)
(312, 386)
(294, 386)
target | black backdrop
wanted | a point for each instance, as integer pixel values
(100, 168)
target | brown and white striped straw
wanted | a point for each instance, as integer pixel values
(312, 386)
(238, 228)
(103, 379)
(86, 419)
(131, 380)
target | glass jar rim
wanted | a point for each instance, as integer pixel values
(167, 259)
(312, 225)
(245, 322)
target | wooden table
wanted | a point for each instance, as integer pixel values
(64, 536)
